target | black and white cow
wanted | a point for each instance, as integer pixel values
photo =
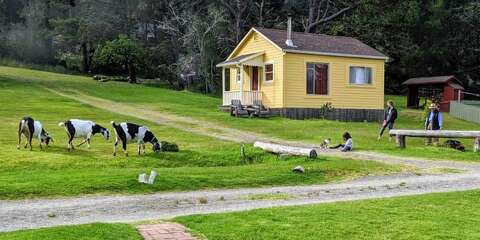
(82, 129)
(130, 132)
(32, 129)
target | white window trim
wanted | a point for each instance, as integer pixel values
(265, 71)
(372, 74)
(238, 73)
(328, 80)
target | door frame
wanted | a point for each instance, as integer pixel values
(255, 75)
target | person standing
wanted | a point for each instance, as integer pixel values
(434, 121)
(389, 119)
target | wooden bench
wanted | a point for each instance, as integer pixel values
(401, 135)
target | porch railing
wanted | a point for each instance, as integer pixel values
(247, 97)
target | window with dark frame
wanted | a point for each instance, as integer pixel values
(269, 72)
(317, 79)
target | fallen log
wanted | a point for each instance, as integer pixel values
(284, 149)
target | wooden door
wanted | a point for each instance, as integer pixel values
(254, 78)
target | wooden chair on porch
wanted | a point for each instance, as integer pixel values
(259, 110)
(237, 109)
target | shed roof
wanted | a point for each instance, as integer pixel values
(432, 80)
(321, 44)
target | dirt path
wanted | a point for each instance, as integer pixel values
(43, 213)
(51, 212)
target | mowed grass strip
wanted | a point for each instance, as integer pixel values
(434, 216)
(95, 231)
(202, 163)
(203, 107)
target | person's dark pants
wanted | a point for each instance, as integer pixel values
(344, 149)
(388, 125)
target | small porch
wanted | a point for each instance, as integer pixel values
(244, 85)
(246, 97)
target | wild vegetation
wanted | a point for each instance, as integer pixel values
(179, 42)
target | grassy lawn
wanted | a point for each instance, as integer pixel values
(433, 216)
(204, 107)
(202, 163)
(96, 231)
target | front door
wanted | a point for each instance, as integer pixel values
(254, 78)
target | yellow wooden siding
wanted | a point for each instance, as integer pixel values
(341, 93)
(272, 91)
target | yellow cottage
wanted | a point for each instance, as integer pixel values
(295, 74)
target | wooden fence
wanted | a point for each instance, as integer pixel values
(466, 110)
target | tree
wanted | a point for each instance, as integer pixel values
(237, 10)
(122, 52)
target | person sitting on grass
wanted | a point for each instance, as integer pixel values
(389, 119)
(348, 146)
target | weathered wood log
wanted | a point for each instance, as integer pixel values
(401, 135)
(435, 133)
(284, 149)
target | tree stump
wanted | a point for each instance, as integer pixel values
(476, 145)
(401, 141)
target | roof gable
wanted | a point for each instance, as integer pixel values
(245, 39)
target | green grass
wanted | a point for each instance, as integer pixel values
(96, 231)
(202, 163)
(434, 216)
(205, 108)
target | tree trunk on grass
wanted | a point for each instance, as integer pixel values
(284, 149)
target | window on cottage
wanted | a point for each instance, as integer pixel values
(269, 72)
(317, 79)
(360, 75)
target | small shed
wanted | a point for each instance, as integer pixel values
(442, 88)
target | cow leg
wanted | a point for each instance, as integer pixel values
(115, 146)
(19, 138)
(70, 143)
(139, 148)
(30, 141)
(88, 140)
(40, 142)
(124, 146)
(143, 146)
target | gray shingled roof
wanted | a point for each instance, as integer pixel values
(430, 80)
(321, 43)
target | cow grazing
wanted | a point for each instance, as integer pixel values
(82, 129)
(32, 129)
(129, 132)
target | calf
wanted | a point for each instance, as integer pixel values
(82, 129)
(129, 132)
(30, 129)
